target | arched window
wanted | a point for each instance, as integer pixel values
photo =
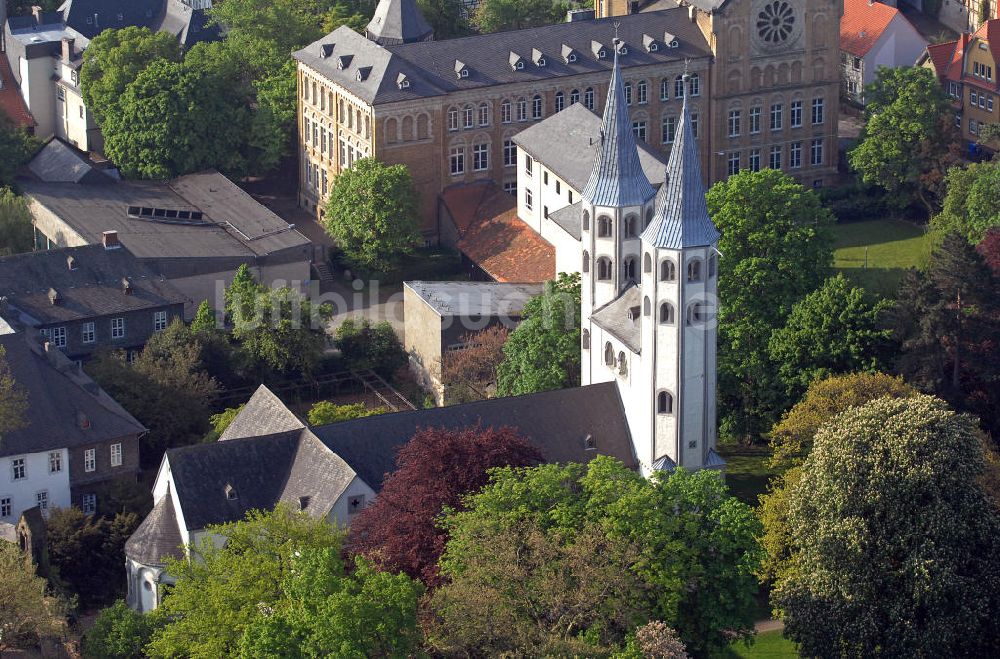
(423, 127)
(604, 227)
(647, 263)
(588, 98)
(646, 306)
(586, 261)
(560, 101)
(391, 130)
(604, 269)
(585, 339)
(664, 403)
(609, 354)
(630, 226)
(698, 313)
(668, 271)
(574, 96)
(694, 270)
(622, 364)
(667, 313)
(628, 269)
(679, 87)
(536, 107)
(711, 266)
(586, 220)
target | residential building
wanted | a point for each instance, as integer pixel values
(440, 316)
(195, 230)
(12, 105)
(872, 35)
(964, 15)
(84, 299)
(968, 71)
(76, 439)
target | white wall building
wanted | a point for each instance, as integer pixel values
(34, 479)
(873, 34)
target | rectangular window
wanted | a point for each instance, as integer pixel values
(776, 116)
(755, 113)
(453, 119)
(857, 63)
(734, 163)
(510, 187)
(42, 499)
(669, 129)
(558, 187)
(982, 101)
(796, 111)
(734, 123)
(57, 336)
(816, 152)
(664, 90)
(6, 508)
(536, 107)
(117, 328)
(18, 469)
(509, 153)
(953, 89)
(505, 112)
(60, 93)
(88, 504)
(754, 160)
(989, 103)
(323, 175)
(469, 117)
(481, 157)
(522, 110)
(973, 97)
(116, 455)
(90, 459)
(484, 115)
(55, 462)
(694, 124)
(639, 130)
(457, 160)
(628, 93)
(775, 162)
(973, 127)
(795, 154)
(818, 111)
(159, 321)
(528, 162)
(528, 199)
(642, 95)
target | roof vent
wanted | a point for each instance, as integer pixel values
(231, 494)
(344, 61)
(568, 54)
(304, 502)
(598, 49)
(82, 421)
(589, 443)
(633, 313)
(54, 297)
(126, 286)
(537, 57)
(362, 74)
(110, 240)
(325, 50)
(402, 81)
(516, 61)
(71, 262)
(461, 70)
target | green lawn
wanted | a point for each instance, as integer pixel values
(893, 246)
(747, 472)
(768, 645)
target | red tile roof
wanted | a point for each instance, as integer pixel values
(940, 55)
(990, 31)
(11, 102)
(493, 237)
(862, 25)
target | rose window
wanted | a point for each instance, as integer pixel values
(775, 22)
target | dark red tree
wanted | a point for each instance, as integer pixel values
(989, 249)
(399, 531)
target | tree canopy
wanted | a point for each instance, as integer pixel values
(13, 399)
(17, 146)
(972, 203)
(364, 345)
(502, 15)
(325, 412)
(372, 214)
(543, 352)
(894, 556)
(778, 246)
(28, 612)
(16, 230)
(118, 633)
(435, 469)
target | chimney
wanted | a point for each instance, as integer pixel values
(691, 13)
(67, 48)
(71, 263)
(54, 297)
(110, 240)
(126, 286)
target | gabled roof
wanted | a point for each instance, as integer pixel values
(620, 318)
(398, 21)
(570, 219)
(863, 24)
(990, 32)
(617, 178)
(158, 536)
(263, 414)
(680, 218)
(940, 55)
(58, 162)
(65, 407)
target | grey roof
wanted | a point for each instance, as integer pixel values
(566, 143)
(681, 216)
(557, 422)
(60, 400)
(92, 288)
(569, 219)
(234, 224)
(714, 460)
(158, 536)
(664, 463)
(474, 298)
(58, 162)
(398, 21)
(189, 26)
(263, 414)
(50, 30)
(263, 471)
(91, 17)
(620, 317)
(429, 66)
(617, 178)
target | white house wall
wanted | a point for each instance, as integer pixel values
(340, 514)
(23, 492)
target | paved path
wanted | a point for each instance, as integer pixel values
(771, 625)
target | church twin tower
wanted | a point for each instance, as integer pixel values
(649, 301)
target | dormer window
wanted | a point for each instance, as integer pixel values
(537, 57)
(304, 502)
(669, 40)
(325, 50)
(516, 62)
(598, 49)
(461, 70)
(230, 492)
(402, 81)
(344, 61)
(71, 263)
(589, 443)
(650, 43)
(362, 73)
(54, 297)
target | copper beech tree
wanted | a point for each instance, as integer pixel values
(470, 373)
(436, 468)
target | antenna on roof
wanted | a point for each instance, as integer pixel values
(617, 25)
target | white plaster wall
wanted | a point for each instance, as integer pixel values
(525, 182)
(340, 514)
(22, 492)
(39, 92)
(567, 247)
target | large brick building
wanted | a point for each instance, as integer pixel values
(760, 96)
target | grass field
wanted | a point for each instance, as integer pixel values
(894, 246)
(747, 472)
(768, 645)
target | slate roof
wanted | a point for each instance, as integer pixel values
(474, 298)
(60, 398)
(430, 66)
(398, 21)
(59, 162)
(569, 219)
(617, 178)
(863, 24)
(565, 143)
(234, 223)
(93, 288)
(158, 536)
(263, 471)
(263, 414)
(91, 17)
(681, 218)
(614, 317)
(557, 422)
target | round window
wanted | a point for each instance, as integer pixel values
(775, 22)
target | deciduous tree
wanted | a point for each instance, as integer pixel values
(17, 146)
(543, 352)
(502, 15)
(325, 412)
(285, 331)
(16, 231)
(372, 214)
(972, 203)
(27, 612)
(118, 633)
(894, 556)
(13, 399)
(435, 469)
(364, 345)
(470, 373)
(446, 17)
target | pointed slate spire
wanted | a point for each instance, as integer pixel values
(617, 178)
(680, 218)
(398, 21)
